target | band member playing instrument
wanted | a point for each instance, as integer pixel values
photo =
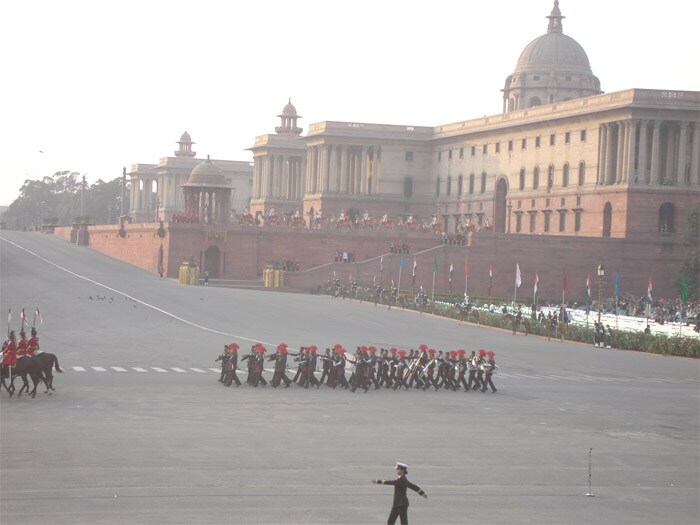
(280, 359)
(399, 507)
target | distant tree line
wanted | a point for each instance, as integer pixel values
(55, 200)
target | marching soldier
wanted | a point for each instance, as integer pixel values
(311, 369)
(339, 368)
(280, 359)
(461, 370)
(399, 507)
(326, 367)
(471, 366)
(490, 366)
(232, 365)
(478, 361)
(224, 359)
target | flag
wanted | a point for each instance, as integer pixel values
(490, 276)
(403, 260)
(9, 316)
(684, 289)
(617, 284)
(466, 265)
(24, 316)
(537, 282)
(518, 279)
(435, 266)
(588, 288)
(563, 282)
(381, 264)
(38, 314)
(452, 270)
(649, 290)
(415, 265)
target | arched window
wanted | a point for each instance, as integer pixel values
(437, 187)
(581, 173)
(449, 185)
(471, 183)
(534, 101)
(483, 182)
(550, 177)
(536, 178)
(565, 175)
(459, 186)
(522, 179)
(408, 187)
(607, 219)
(667, 216)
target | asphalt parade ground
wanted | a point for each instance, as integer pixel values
(139, 431)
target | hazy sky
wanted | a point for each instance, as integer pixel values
(98, 85)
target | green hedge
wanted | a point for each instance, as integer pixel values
(639, 341)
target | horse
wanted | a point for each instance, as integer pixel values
(468, 312)
(48, 362)
(26, 365)
(343, 224)
(368, 224)
(515, 323)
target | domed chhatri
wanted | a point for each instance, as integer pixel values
(206, 174)
(552, 68)
(185, 149)
(288, 121)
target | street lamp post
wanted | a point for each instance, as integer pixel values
(601, 274)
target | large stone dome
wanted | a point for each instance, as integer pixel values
(553, 51)
(552, 68)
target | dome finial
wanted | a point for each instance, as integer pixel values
(555, 18)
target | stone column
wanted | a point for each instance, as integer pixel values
(609, 173)
(655, 141)
(303, 174)
(322, 171)
(671, 155)
(314, 170)
(695, 156)
(343, 170)
(270, 175)
(377, 169)
(631, 150)
(602, 152)
(619, 168)
(333, 169)
(363, 170)
(682, 144)
(642, 164)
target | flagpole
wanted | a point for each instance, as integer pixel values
(433, 293)
(399, 287)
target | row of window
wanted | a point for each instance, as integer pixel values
(550, 176)
(497, 146)
(460, 180)
(547, 221)
(522, 181)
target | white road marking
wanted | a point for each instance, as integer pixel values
(139, 369)
(119, 369)
(198, 370)
(158, 369)
(78, 369)
(217, 370)
(99, 369)
(164, 312)
(179, 370)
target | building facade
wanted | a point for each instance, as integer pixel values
(157, 189)
(563, 158)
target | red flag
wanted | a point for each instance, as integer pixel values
(466, 265)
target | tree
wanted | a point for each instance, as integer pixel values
(56, 200)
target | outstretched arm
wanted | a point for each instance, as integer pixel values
(417, 489)
(384, 481)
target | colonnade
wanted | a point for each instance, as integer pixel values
(327, 168)
(343, 169)
(139, 197)
(279, 176)
(653, 152)
(210, 206)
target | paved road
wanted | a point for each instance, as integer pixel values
(140, 431)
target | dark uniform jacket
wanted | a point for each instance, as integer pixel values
(400, 486)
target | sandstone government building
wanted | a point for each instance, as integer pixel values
(564, 172)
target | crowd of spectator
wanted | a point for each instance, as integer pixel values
(396, 247)
(456, 239)
(344, 256)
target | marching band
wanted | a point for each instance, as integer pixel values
(369, 368)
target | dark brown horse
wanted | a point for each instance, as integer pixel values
(27, 365)
(49, 362)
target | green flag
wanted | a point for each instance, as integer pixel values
(684, 290)
(435, 267)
